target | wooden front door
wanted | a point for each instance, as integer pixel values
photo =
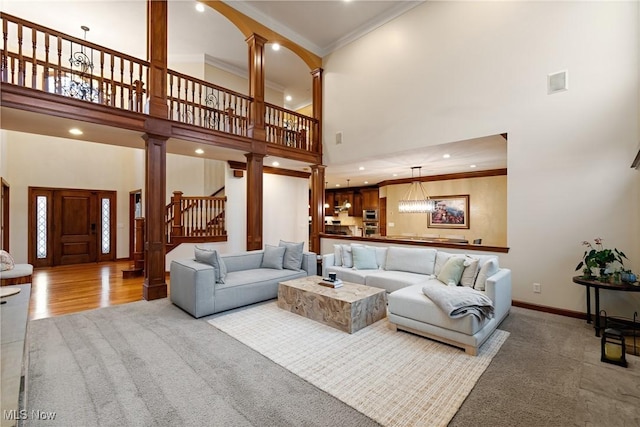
(4, 215)
(69, 226)
(75, 232)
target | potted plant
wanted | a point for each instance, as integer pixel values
(598, 257)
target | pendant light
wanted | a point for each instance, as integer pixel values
(416, 200)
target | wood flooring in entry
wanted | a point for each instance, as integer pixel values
(72, 288)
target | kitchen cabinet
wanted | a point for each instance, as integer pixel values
(370, 198)
(356, 206)
(330, 200)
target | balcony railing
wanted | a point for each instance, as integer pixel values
(289, 128)
(40, 58)
(44, 59)
(204, 104)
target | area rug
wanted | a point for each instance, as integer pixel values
(395, 378)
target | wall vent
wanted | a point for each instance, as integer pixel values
(557, 82)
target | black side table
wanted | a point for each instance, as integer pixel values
(597, 285)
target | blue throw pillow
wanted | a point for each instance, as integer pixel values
(273, 257)
(364, 258)
(292, 255)
(213, 258)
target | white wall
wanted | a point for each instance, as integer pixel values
(42, 161)
(458, 70)
(285, 214)
(185, 174)
(286, 210)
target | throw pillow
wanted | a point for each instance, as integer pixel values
(487, 270)
(452, 270)
(292, 255)
(364, 258)
(273, 257)
(470, 271)
(347, 255)
(337, 255)
(6, 261)
(213, 258)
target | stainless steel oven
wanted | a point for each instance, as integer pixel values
(370, 215)
(370, 228)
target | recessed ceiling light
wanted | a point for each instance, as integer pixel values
(337, 185)
(361, 168)
(275, 46)
(395, 174)
(75, 131)
(288, 98)
(199, 151)
(275, 164)
(199, 7)
(472, 166)
(446, 156)
(366, 182)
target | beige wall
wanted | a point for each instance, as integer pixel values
(487, 207)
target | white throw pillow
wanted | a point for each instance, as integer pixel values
(381, 255)
(347, 255)
(470, 271)
(6, 261)
(337, 255)
(487, 270)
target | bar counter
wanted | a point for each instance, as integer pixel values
(420, 241)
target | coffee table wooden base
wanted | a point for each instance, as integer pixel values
(349, 308)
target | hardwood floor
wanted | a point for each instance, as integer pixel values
(72, 288)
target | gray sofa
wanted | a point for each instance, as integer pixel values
(197, 289)
(404, 272)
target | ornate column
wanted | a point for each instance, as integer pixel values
(317, 109)
(158, 132)
(157, 57)
(317, 206)
(254, 200)
(256, 86)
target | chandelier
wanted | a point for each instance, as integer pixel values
(416, 200)
(80, 85)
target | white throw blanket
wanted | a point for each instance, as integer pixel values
(459, 301)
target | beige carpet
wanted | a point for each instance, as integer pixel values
(395, 378)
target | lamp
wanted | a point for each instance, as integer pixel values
(81, 87)
(346, 205)
(416, 200)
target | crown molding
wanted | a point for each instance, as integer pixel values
(274, 25)
(391, 14)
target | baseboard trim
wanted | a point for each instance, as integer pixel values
(552, 310)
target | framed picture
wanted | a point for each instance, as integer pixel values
(449, 212)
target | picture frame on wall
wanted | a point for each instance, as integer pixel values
(449, 212)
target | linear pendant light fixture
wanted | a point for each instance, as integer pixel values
(416, 200)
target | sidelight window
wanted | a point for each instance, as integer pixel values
(41, 227)
(106, 225)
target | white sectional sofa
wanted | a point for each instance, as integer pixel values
(404, 272)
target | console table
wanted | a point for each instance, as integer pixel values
(13, 315)
(597, 285)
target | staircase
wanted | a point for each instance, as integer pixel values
(195, 219)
